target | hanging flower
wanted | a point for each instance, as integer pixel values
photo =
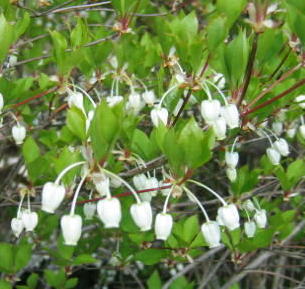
(250, 229)
(71, 226)
(17, 226)
(158, 116)
(229, 216)
(274, 156)
(231, 115)
(211, 233)
(52, 196)
(19, 133)
(29, 219)
(109, 211)
(210, 110)
(141, 213)
(282, 147)
(89, 210)
(260, 218)
(231, 159)
(163, 226)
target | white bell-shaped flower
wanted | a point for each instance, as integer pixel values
(149, 97)
(211, 233)
(140, 181)
(231, 174)
(260, 218)
(29, 219)
(231, 115)
(158, 116)
(89, 210)
(164, 192)
(229, 216)
(248, 205)
(52, 196)
(102, 184)
(300, 100)
(17, 226)
(71, 227)
(110, 213)
(274, 156)
(291, 132)
(302, 130)
(1, 101)
(19, 133)
(141, 213)
(114, 100)
(282, 147)
(163, 226)
(250, 229)
(220, 128)
(210, 110)
(76, 99)
(231, 159)
(135, 103)
(277, 127)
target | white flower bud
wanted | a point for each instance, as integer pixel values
(18, 132)
(1, 101)
(52, 196)
(17, 226)
(89, 210)
(231, 115)
(260, 218)
(30, 220)
(282, 147)
(140, 181)
(158, 116)
(231, 174)
(277, 127)
(211, 233)
(300, 100)
(115, 183)
(76, 99)
(71, 227)
(141, 213)
(274, 156)
(210, 110)
(291, 132)
(231, 159)
(114, 100)
(302, 130)
(163, 226)
(149, 97)
(220, 128)
(250, 229)
(109, 211)
(229, 216)
(102, 184)
(248, 205)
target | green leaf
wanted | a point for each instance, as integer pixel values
(32, 280)
(23, 254)
(105, 129)
(231, 9)
(76, 122)
(84, 259)
(151, 256)
(5, 285)
(22, 25)
(154, 281)
(55, 278)
(190, 229)
(79, 34)
(6, 37)
(181, 282)
(71, 283)
(7, 258)
(30, 150)
(216, 32)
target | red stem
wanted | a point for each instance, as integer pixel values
(266, 103)
(44, 93)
